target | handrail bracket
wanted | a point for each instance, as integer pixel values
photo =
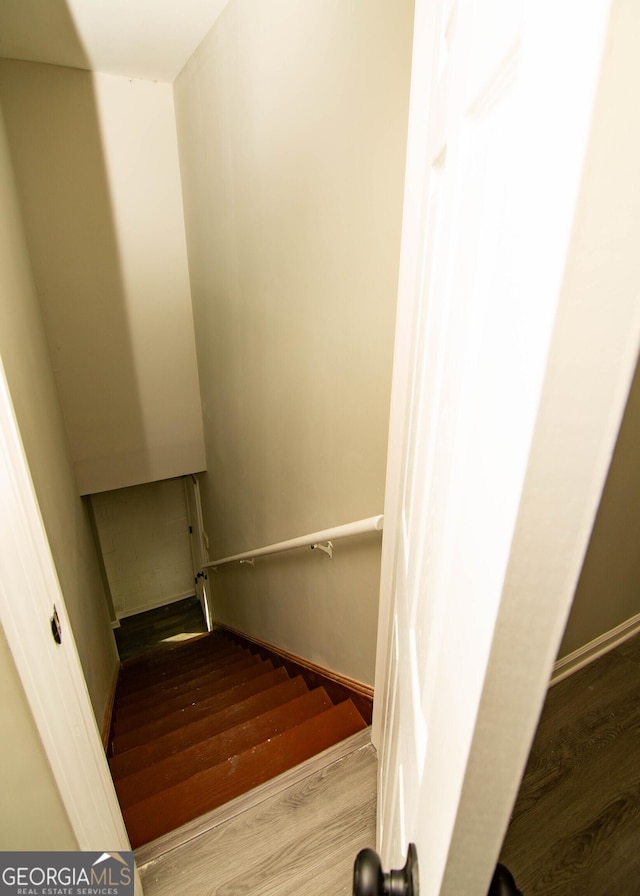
(326, 547)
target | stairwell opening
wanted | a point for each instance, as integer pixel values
(200, 722)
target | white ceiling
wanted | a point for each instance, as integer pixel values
(150, 39)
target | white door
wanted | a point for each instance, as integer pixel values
(487, 340)
(199, 545)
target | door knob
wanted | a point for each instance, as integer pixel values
(502, 883)
(370, 880)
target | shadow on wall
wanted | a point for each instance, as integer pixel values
(40, 29)
(56, 144)
(26, 354)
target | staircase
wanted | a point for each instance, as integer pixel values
(198, 725)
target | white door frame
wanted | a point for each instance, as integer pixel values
(199, 544)
(51, 674)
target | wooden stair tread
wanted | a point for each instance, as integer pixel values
(216, 749)
(145, 678)
(202, 688)
(187, 714)
(151, 678)
(135, 679)
(212, 787)
(179, 684)
(184, 648)
(146, 754)
(134, 673)
(153, 651)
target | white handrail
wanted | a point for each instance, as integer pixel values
(371, 524)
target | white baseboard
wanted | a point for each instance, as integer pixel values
(163, 602)
(586, 654)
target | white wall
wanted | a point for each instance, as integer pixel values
(96, 163)
(144, 536)
(26, 360)
(291, 129)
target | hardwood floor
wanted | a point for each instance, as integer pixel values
(575, 828)
(159, 629)
(301, 837)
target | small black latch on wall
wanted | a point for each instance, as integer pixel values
(56, 629)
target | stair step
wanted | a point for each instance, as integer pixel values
(141, 654)
(200, 689)
(175, 651)
(136, 679)
(172, 687)
(188, 714)
(137, 758)
(133, 679)
(215, 750)
(212, 787)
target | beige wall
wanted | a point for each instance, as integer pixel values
(144, 536)
(32, 816)
(96, 164)
(291, 129)
(608, 591)
(25, 356)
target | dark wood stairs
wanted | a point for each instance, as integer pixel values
(201, 724)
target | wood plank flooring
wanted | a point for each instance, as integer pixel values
(575, 828)
(303, 838)
(159, 629)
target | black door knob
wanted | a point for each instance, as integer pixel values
(370, 880)
(502, 883)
